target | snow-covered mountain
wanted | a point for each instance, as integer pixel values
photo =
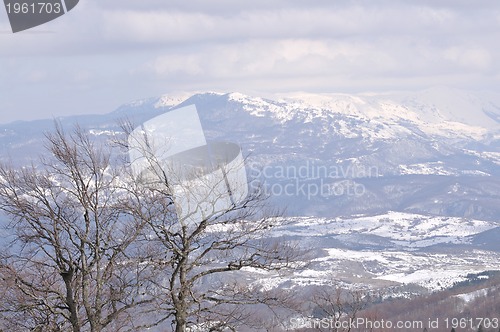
(436, 151)
(390, 189)
(406, 152)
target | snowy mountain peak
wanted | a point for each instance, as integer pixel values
(170, 100)
(436, 112)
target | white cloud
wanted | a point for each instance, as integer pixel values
(174, 64)
(281, 45)
(474, 58)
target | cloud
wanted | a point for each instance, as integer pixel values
(473, 58)
(105, 48)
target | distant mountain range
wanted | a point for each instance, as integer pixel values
(431, 152)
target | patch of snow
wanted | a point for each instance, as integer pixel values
(468, 297)
(97, 132)
(436, 168)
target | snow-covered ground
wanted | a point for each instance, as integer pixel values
(406, 230)
(405, 260)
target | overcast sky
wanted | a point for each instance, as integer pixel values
(105, 53)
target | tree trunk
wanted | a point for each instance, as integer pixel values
(70, 300)
(182, 309)
(180, 322)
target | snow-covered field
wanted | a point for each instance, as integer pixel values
(402, 229)
(408, 257)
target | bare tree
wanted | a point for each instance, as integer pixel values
(204, 262)
(96, 248)
(339, 306)
(75, 259)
